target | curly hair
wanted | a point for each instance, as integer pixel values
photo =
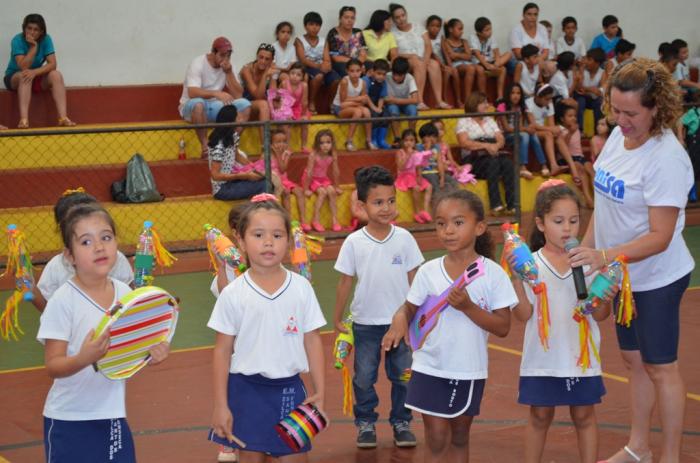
(656, 87)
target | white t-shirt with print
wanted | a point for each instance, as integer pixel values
(402, 90)
(627, 183)
(541, 113)
(485, 48)
(474, 130)
(410, 42)
(269, 328)
(284, 57)
(578, 48)
(86, 395)
(564, 349)
(58, 270)
(381, 268)
(519, 38)
(201, 74)
(457, 348)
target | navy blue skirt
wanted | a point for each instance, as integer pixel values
(258, 404)
(548, 391)
(446, 398)
(88, 441)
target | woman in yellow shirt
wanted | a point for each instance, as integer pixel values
(380, 42)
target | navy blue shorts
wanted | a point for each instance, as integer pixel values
(446, 398)
(328, 77)
(258, 404)
(654, 332)
(548, 391)
(88, 441)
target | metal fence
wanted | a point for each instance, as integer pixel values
(37, 166)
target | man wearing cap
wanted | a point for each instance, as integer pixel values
(203, 92)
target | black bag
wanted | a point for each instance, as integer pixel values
(139, 185)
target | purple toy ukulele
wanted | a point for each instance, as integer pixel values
(428, 313)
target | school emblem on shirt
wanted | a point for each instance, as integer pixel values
(396, 260)
(291, 326)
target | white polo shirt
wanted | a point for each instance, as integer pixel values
(627, 183)
(382, 270)
(86, 395)
(269, 328)
(457, 348)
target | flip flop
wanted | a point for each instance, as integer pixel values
(635, 458)
(65, 122)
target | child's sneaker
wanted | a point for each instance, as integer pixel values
(403, 437)
(367, 436)
(227, 454)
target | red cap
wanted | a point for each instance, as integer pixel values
(222, 44)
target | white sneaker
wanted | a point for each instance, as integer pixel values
(227, 454)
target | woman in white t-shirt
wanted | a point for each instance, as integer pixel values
(481, 141)
(529, 31)
(565, 372)
(642, 179)
(417, 49)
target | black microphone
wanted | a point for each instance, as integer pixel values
(579, 278)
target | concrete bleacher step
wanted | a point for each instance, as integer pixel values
(181, 219)
(25, 151)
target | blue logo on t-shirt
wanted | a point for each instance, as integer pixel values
(396, 260)
(609, 186)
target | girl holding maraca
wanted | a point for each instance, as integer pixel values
(552, 376)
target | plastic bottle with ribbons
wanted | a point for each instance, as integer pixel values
(222, 249)
(19, 264)
(525, 267)
(149, 253)
(343, 346)
(304, 246)
(610, 277)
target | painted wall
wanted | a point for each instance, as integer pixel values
(144, 42)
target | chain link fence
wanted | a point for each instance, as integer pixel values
(38, 166)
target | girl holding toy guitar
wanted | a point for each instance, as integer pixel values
(451, 365)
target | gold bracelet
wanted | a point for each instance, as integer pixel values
(605, 258)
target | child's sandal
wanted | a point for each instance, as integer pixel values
(65, 122)
(23, 124)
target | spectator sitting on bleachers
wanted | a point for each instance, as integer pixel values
(312, 51)
(623, 51)
(528, 31)
(481, 141)
(345, 42)
(229, 179)
(402, 95)
(32, 68)
(380, 41)
(609, 37)
(416, 48)
(203, 93)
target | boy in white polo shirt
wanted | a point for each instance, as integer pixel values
(384, 258)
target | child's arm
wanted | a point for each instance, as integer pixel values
(304, 98)
(307, 177)
(522, 311)
(412, 99)
(441, 170)
(496, 322)
(342, 293)
(326, 63)
(336, 174)
(399, 326)
(222, 419)
(314, 352)
(401, 159)
(447, 52)
(518, 72)
(467, 55)
(61, 365)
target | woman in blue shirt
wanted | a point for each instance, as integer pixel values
(32, 69)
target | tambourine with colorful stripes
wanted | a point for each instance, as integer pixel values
(301, 425)
(140, 320)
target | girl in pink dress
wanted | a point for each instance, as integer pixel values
(408, 167)
(280, 161)
(602, 130)
(299, 90)
(316, 180)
